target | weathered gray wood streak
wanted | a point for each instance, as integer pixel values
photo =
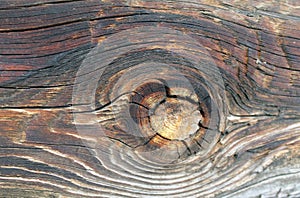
(256, 46)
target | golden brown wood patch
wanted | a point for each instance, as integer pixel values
(141, 98)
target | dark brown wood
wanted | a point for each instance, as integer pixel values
(94, 95)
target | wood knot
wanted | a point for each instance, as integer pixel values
(176, 119)
(157, 110)
(161, 101)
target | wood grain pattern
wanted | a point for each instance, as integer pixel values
(66, 66)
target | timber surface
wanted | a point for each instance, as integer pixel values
(255, 45)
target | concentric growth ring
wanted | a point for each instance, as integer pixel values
(157, 94)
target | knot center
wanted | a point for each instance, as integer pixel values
(176, 119)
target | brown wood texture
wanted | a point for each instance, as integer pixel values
(70, 128)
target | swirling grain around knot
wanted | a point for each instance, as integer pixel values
(140, 79)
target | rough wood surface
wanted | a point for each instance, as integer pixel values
(146, 98)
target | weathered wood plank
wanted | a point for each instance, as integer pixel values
(94, 95)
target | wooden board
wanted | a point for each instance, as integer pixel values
(146, 98)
